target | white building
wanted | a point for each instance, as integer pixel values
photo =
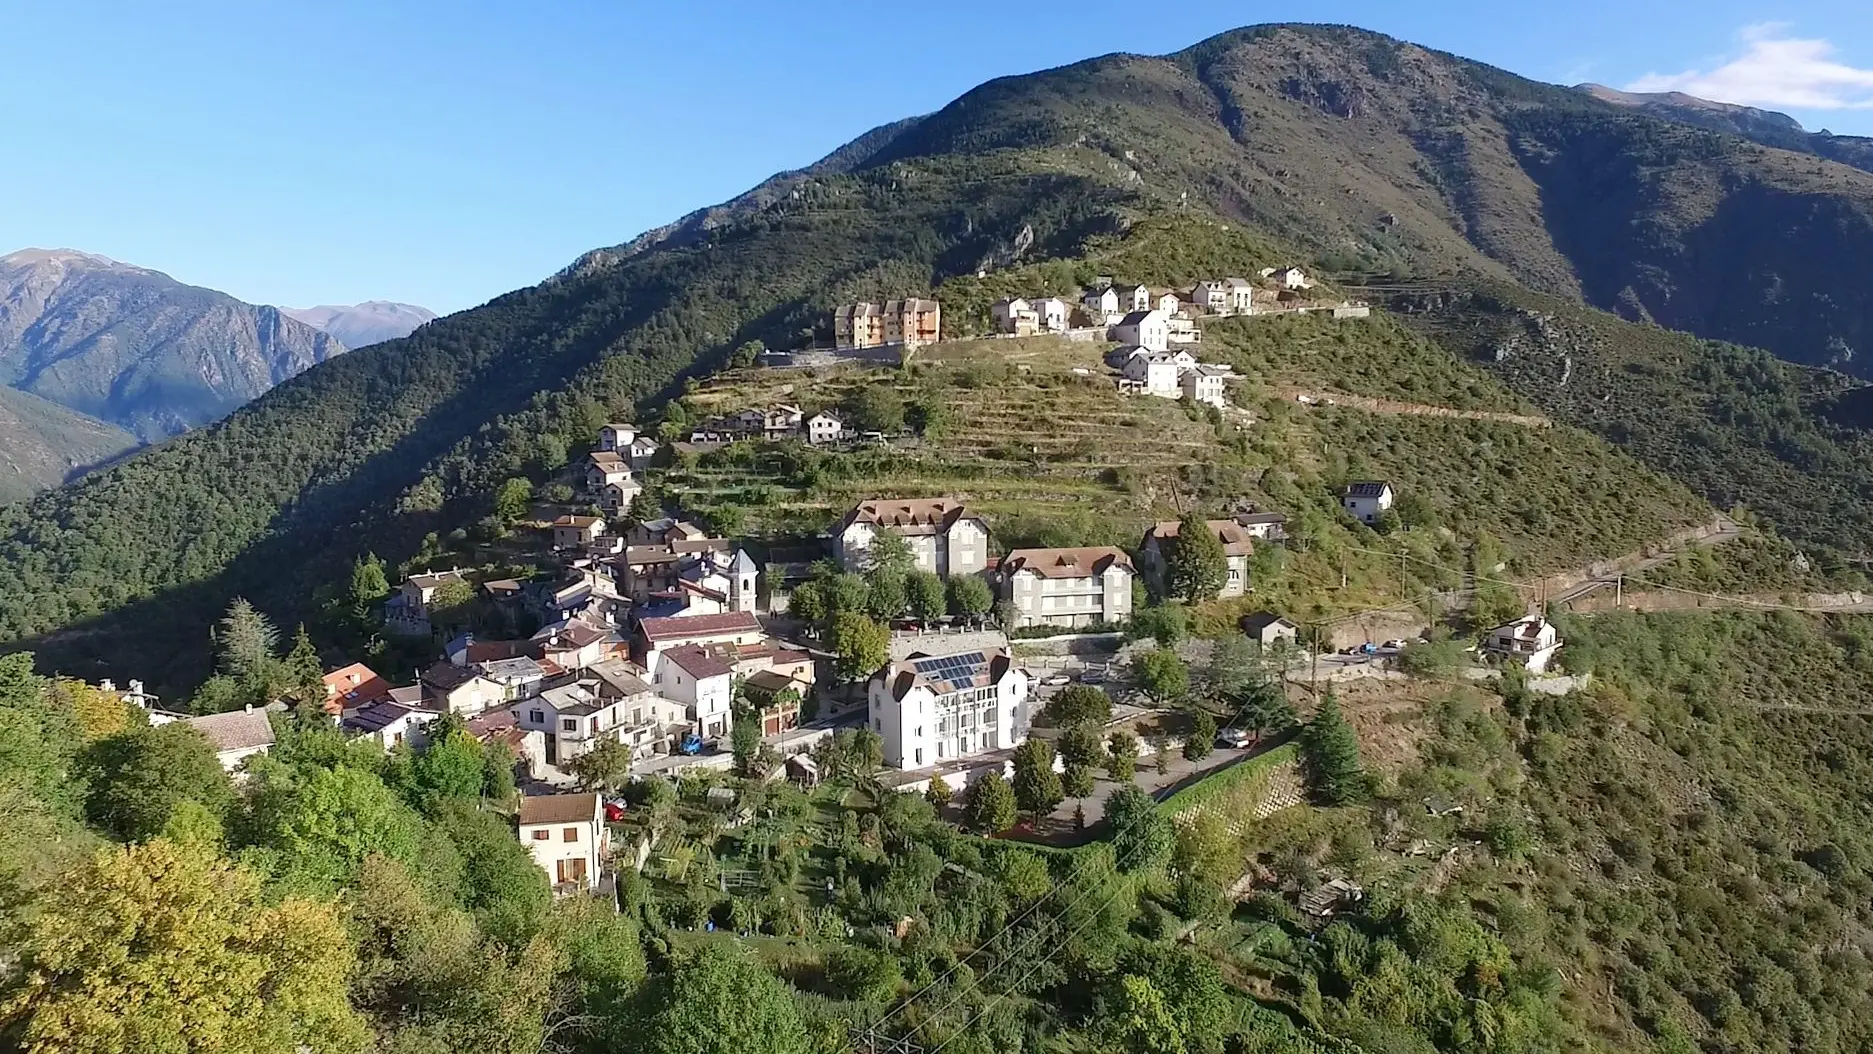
(1015, 315)
(609, 701)
(1291, 278)
(1102, 306)
(1183, 329)
(1367, 499)
(1139, 298)
(1204, 384)
(1157, 372)
(933, 708)
(1210, 297)
(1051, 313)
(703, 683)
(1530, 640)
(944, 536)
(1241, 296)
(616, 438)
(1147, 329)
(824, 428)
(1167, 303)
(390, 724)
(1084, 586)
(566, 836)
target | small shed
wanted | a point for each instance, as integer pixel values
(1267, 629)
(1324, 901)
(722, 798)
(803, 770)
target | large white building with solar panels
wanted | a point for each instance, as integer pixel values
(930, 709)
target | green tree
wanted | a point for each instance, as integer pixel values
(990, 803)
(1080, 744)
(166, 947)
(369, 587)
(929, 415)
(1079, 704)
(325, 825)
(1036, 784)
(1202, 739)
(452, 604)
(644, 507)
(1141, 1020)
(1197, 566)
(885, 596)
(512, 499)
(1142, 837)
(551, 452)
(846, 592)
(938, 793)
(970, 597)
(1077, 781)
(864, 751)
(721, 1001)
(889, 552)
(1233, 664)
(606, 767)
(1122, 756)
(862, 646)
(450, 765)
(1168, 624)
(863, 974)
(746, 354)
(1162, 675)
(145, 775)
(1263, 708)
(808, 603)
(877, 408)
(745, 741)
(248, 643)
(925, 593)
(304, 675)
(1024, 875)
(1330, 756)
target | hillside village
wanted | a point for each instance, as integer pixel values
(643, 645)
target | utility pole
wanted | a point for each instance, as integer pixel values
(1619, 590)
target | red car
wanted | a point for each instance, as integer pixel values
(614, 812)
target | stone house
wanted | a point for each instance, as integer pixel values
(1086, 586)
(1015, 315)
(236, 735)
(616, 438)
(824, 427)
(1269, 629)
(572, 532)
(461, 689)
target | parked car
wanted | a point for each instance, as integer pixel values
(1395, 644)
(1093, 676)
(614, 811)
(1234, 738)
(1055, 680)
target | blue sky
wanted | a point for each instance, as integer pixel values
(296, 153)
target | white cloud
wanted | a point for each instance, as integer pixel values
(1774, 70)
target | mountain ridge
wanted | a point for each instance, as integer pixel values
(134, 347)
(363, 324)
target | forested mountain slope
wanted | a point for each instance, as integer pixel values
(1349, 148)
(42, 444)
(137, 348)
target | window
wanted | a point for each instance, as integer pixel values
(570, 834)
(537, 717)
(541, 836)
(919, 753)
(569, 725)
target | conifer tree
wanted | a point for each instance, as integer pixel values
(1197, 564)
(1330, 756)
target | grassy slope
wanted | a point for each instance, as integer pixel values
(42, 444)
(1733, 423)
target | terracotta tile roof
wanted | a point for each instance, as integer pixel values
(559, 808)
(353, 685)
(697, 661)
(1083, 562)
(1236, 541)
(681, 627)
(900, 513)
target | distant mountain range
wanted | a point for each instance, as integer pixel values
(361, 325)
(1764, 126)
(138, 349)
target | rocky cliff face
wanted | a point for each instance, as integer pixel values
(138, 349)
(361, 325)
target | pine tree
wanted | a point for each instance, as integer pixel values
(1122, 757)
(1198, 566)
(1330, 756)
(369, 587)
(248, 642)
(305, 678)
